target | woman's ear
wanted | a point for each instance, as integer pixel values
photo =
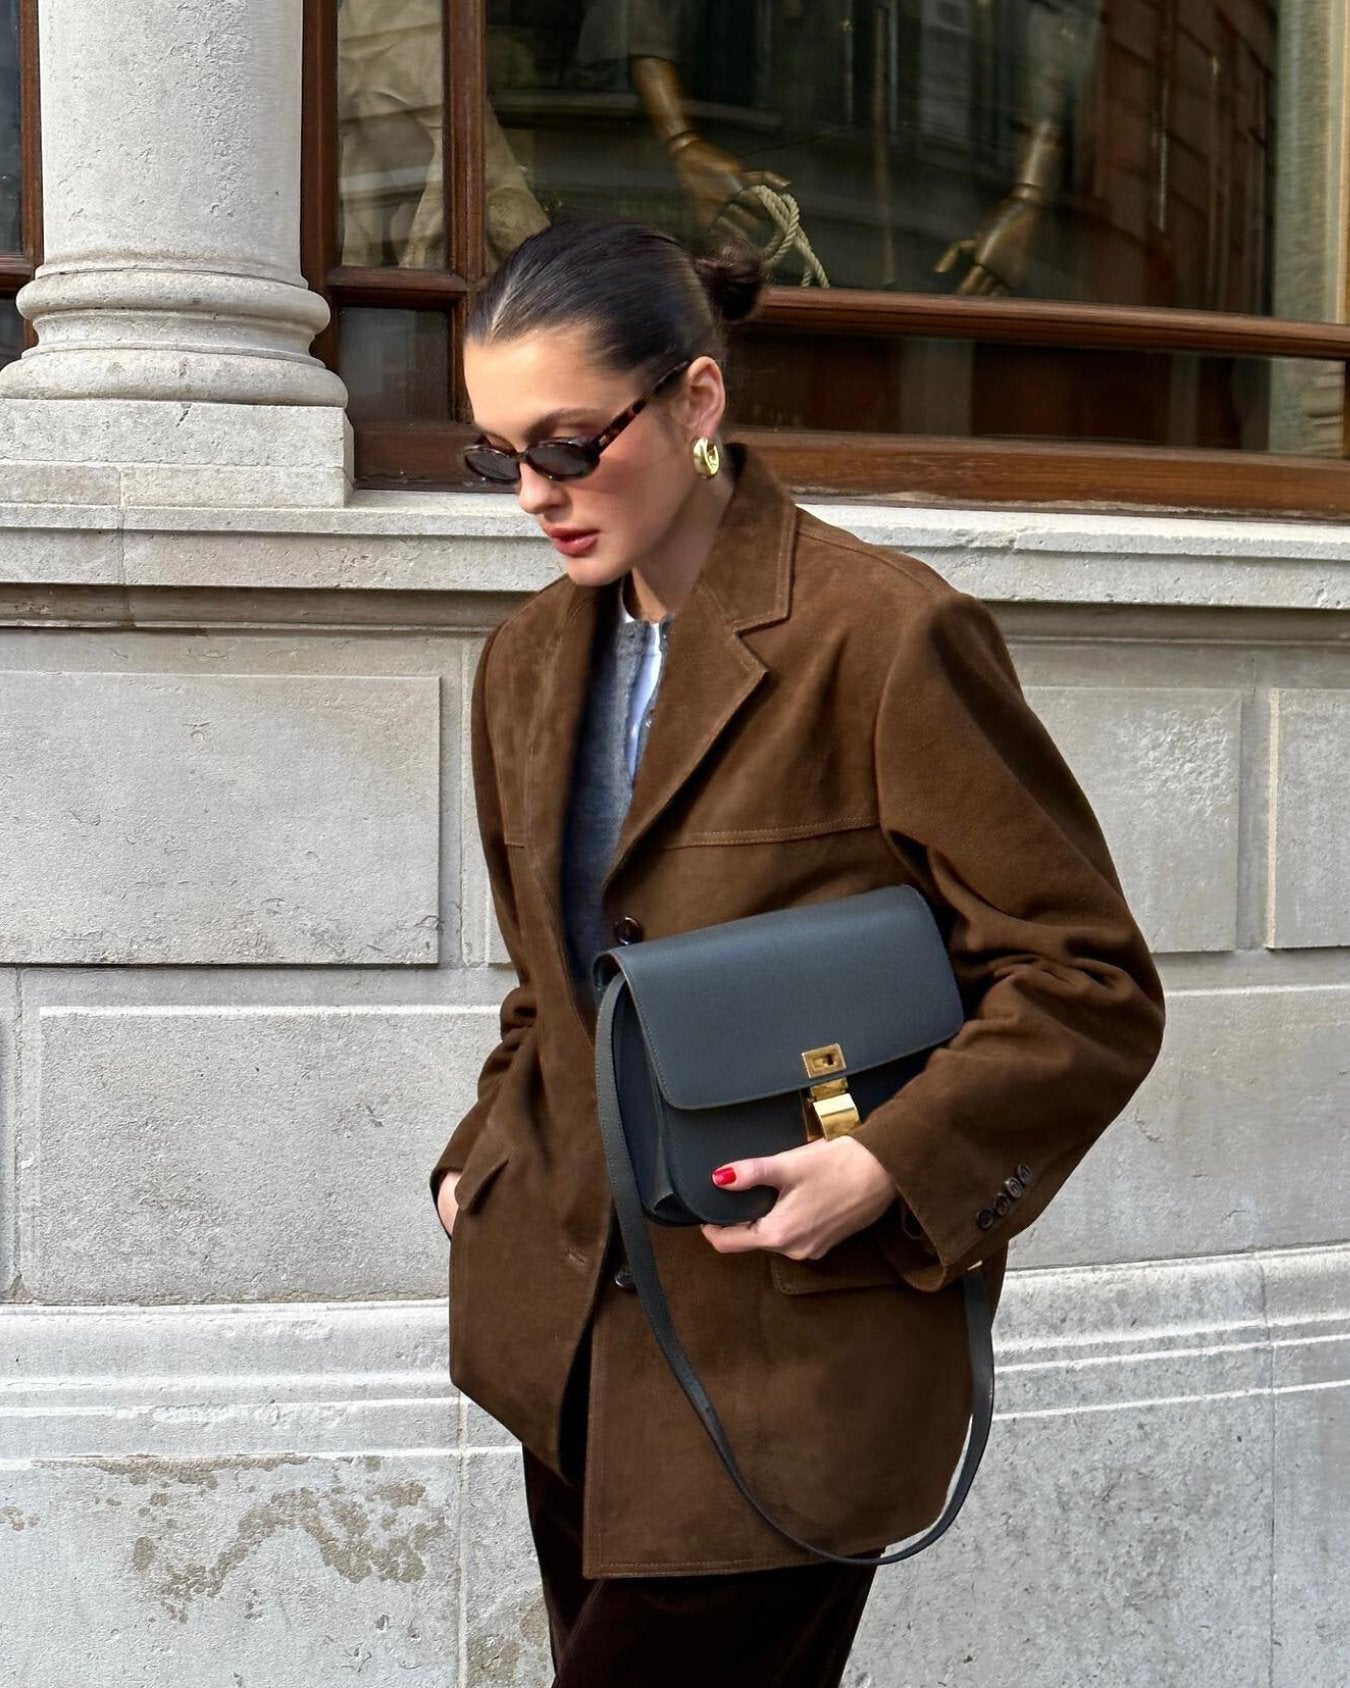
(705, 397)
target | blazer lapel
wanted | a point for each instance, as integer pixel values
(708, 674)
(555, 728)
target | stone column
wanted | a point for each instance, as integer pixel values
(173, 322)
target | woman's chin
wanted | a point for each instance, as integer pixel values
(595, 569)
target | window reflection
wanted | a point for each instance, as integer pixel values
(395, 364)
(1112, 151)
(1147, 153)
(11, 224)
(965, 388)
(11, 332)
(391, 100)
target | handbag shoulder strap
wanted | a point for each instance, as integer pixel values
(642, 1263)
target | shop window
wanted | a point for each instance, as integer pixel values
(1085, 250)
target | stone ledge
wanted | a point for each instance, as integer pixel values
(473, 544)
(334, 1378)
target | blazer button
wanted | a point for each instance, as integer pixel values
(1002, 1202)
(627, 929)
(1024, 1172)
(1013, 1186)
(624, 1278)
(984, 1219)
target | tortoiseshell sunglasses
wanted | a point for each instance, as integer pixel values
(558, 460)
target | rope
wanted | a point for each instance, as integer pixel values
(782, 210)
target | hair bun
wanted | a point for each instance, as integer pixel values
(733, 276)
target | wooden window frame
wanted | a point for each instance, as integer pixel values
(17, 268)
(890, 468)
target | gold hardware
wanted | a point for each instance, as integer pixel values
(827, 1059)
(830, 1110)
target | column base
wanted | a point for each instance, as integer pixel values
(135, 453)
(139, 331)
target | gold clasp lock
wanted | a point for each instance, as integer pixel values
(831, 1111)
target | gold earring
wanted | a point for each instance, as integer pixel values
(707, 458)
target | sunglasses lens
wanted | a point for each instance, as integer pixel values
(489, 464)
(561, 460)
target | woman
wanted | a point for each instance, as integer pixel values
(801, 716)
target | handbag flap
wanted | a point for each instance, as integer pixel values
(727, 1011)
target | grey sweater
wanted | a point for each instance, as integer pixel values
(601, 784)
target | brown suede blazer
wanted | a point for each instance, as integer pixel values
(832, 716)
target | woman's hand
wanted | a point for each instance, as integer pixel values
(446, 1206)
(828, 1189)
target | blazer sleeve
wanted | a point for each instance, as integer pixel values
(520, 1004)
(1064, 1006)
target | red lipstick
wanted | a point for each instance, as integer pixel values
(572, 542)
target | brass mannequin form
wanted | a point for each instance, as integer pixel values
(392, 113)
(712, 179)
(1061, 40)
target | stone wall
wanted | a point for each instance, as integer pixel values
(248, 969)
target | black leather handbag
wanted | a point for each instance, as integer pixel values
(751, 1037)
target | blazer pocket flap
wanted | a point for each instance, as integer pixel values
(855, 1262)
(484, 1163)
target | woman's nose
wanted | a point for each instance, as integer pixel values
(538, 493)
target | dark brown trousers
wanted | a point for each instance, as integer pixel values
(790, 1627)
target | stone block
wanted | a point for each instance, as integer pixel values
(10, 1286)
(218, 1494)
(506, 1630)
(1076, 1559)
(219, 819)
(160, 485)
(145, 452)
(83, 549)
(1308, 1303)
(1311, 1631)
(1160, 767)
(151, 431)
(290, 1569)
(60, 483)
(1236, 1140)
(1310, 820)
(216, 1154)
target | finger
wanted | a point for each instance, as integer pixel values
(724, 1238)
(746, 1174)
(745, 200)
(740, 1239)
(737, 217)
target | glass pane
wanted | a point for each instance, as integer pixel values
(11, 332)
(395, 364)
(391, 99)
(1145, 136)
(963, 388)
(11, 180)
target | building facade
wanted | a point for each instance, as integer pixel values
(1082, 348)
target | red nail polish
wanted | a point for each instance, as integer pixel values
(723, 1175)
